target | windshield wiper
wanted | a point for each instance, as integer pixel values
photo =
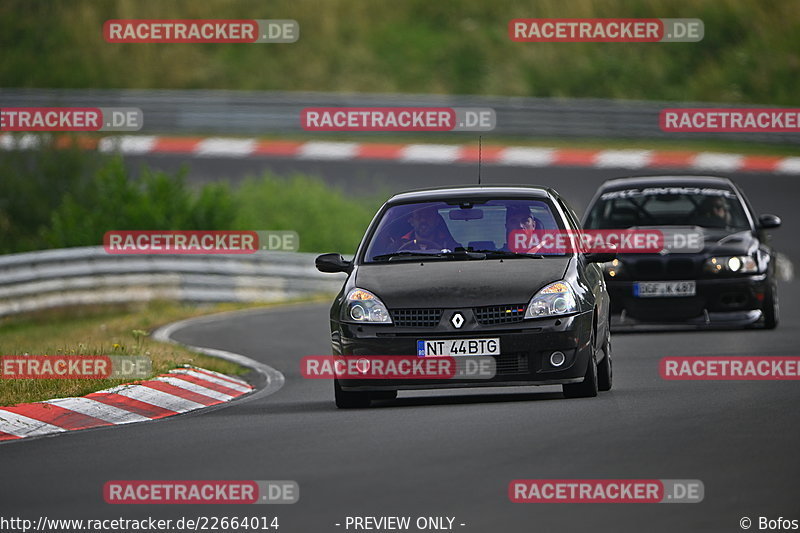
(407, 255)
(468, 254)
(458, 254)
(508, 254)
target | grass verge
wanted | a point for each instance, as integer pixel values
(102, 330)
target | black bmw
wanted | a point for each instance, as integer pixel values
(716, 268)
(435, 269)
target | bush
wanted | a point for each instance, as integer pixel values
(32, 185)
(326, 219)
(53, 198)
(155, 201)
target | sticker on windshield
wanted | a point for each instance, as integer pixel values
(658, 191)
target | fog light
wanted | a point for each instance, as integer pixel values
(557, 359)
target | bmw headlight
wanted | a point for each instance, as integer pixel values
(613, 268)
(737, 264)
(363, 306)
(553, 300)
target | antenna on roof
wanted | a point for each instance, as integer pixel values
(479, 159)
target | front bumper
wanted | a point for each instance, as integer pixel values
(525, 348)
(724, 302)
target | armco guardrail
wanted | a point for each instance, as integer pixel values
(258, 113)
(89, 275)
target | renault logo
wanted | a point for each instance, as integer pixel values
(457, 320)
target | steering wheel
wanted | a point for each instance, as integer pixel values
(415, 245)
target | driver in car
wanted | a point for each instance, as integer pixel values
(716, 212)
(429, 232)
(521, 219)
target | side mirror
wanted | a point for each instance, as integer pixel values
(769, 221)
(600, 257)
(332, 263)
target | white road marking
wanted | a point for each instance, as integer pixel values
(217, 146)
(717, 162)
(527, 157)
(193, 387)
(22, 426)
(158, 398)
(328, 150)
(623, 158)
(430, 153)
(213, 379)
(108, 413)
(128, 144)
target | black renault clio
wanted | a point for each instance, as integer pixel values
(435, 268)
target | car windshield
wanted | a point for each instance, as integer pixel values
(452, 230)
(668, 206)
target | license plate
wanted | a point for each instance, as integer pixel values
(456, 347)
(664, 289)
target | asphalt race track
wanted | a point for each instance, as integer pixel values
(453, 453)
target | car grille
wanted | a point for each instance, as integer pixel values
(665, 309)
(499, 314)
(650, 268)
(681, 268)
(513, 363)
(663, 268)
(416, 318)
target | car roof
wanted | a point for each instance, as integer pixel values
(472, 191)
(666, 181)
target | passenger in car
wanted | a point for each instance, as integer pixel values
(715, 212)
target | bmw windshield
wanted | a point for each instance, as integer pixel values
(669, 206)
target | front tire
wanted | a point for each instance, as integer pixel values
(350, 399)
(605, 370)
(588, 387)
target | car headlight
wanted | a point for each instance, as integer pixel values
(553, 300)
(738, 264)
(613, 268)
(363, 306)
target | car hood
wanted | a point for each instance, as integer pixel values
(715, 241)
(459, 283)
(721, 241)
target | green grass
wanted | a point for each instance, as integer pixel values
(94, 330)
(750, 53)
(100, 330)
